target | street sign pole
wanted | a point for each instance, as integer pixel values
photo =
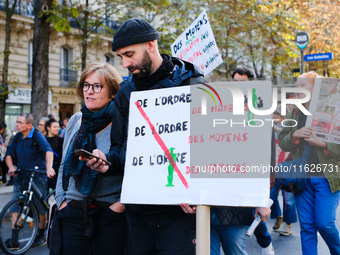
(302, 69)
(302, 40)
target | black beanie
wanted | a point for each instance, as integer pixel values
(133, 31)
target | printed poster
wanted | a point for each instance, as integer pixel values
(325, 109)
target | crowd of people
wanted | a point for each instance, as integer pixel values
(92, 220)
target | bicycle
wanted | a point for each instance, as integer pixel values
(27, 218)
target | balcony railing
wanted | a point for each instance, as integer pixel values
(68, 78)
(110, 23)
(26, 8)
(23, 7)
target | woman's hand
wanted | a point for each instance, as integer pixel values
(305, 132)
(96, 164)
(315, 141)
(63, 205)
(117, 207)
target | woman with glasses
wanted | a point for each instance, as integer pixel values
(318, 201)
(92, 218)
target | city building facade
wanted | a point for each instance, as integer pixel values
(64, 64)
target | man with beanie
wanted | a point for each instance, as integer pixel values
(154, 229)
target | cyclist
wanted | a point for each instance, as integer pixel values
(31, 149)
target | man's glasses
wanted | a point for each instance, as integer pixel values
(96, 87)
(21, 123)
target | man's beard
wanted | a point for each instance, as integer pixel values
(144, 67)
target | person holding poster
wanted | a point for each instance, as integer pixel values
(318, 201)
(154, 229)
(90, 215)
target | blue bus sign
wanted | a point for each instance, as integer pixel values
(319, 56)
(302, 40)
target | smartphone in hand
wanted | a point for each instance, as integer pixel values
(89, 155)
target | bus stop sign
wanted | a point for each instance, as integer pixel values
(302, 40)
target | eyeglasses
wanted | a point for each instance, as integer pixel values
(96, 87)
(21, 123)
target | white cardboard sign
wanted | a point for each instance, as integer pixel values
(160, 120)
(197, 45)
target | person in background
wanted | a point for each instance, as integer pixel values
(63, 125)
(30, 154)
(278, 118)
(51, 116)
(317, 203)
(289, 215)
(8, 137)
(1, 138)
(41, 125)
(56, 142)
(2, 152)
(93, 219)
(229, 224)
(65, 121)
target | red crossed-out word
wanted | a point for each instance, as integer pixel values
(162, 144)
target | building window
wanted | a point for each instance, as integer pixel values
(110, 59)
(68, 77)
(13, 111)
(30, 62)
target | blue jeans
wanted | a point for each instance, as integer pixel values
(263, 238)
(289, 208)
(20, 183)
(232, 237)
(316, 206)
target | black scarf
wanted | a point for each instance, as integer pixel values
(162, 72)
(92, 123)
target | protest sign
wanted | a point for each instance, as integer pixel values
(209, 164)
(325, 109)
(197, 45)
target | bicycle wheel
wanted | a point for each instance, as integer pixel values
(27, 221)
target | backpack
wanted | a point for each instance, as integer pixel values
(34, 139)
(34, 144)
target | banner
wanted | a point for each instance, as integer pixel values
(197, 45)
(175, 154)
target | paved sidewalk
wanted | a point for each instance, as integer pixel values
(6, 189)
